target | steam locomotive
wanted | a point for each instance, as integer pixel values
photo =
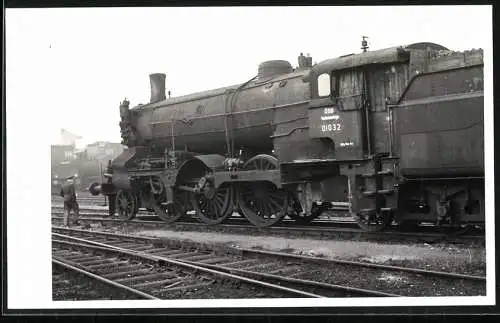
(394, 135)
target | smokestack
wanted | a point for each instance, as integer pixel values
(157, 87)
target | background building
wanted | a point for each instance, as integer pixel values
(87, 163)
(103, 150)
(62, 153)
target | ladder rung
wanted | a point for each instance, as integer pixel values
(383, 209)
(379, 192)
(380, 173)
(385, 172)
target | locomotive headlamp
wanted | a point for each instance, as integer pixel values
(76, 175)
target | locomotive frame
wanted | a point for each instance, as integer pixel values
(350, 143)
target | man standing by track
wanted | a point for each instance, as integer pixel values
(68, 192)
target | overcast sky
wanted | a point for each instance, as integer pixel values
(74, 66)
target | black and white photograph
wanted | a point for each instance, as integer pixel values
(215, 157)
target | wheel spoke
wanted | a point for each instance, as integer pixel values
(217, 211)
(209, 207)
(262, 207)
(268, 210)
(275, 203)
(220, 203)
(259, 205)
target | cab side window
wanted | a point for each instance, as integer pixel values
(335, 85)
(324, 85)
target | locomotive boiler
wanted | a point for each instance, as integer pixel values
(393, 134)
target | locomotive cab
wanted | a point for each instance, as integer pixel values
(360, 105)
(348, 102)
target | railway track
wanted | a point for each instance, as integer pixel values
(299, 275)
(71, 274)
(146, 277)
(162, 276)
(330, 225)
(330, 230)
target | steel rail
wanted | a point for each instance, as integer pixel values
(364, 264)
(336, 228)
(153, 240)
(151, 257)
(300, 281)
(60, 262)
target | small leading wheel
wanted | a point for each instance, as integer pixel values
(126, 204)
(212, 205)
(372, 221)
(168, 215)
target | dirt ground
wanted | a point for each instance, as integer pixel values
(437, 257)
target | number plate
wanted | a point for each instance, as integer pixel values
(330, 120)
(331, 127)
(343, 127)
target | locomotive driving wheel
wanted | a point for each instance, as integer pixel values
(170, 215)
(126, 204)
(261, 202)
(212, 205)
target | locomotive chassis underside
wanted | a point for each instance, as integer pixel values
(371, 190)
